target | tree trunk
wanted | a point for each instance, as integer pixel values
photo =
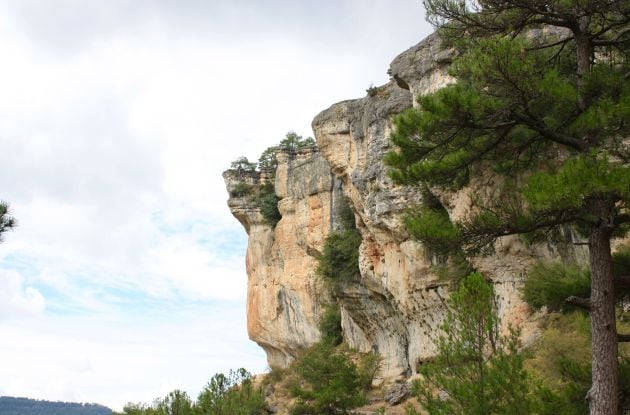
(604, 390)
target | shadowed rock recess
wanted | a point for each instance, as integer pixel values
(397, 304)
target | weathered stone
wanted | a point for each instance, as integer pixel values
(397, 393)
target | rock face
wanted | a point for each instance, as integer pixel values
(397, 305)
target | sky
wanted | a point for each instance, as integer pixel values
(125, 278)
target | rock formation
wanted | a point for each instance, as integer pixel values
(397, 305)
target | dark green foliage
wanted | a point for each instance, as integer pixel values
(330, 325)
(550, 284)
(137, 409)
(478, 124)
(176, 402)
(346, 215)
(480, 371)
(7, 222)
(339, 261)
(241, 164)
(332, 382)
(267, 201)
(25, 406)
(293, 142)
(265, 197)
(537, 121)
(434, 229)
(233, 394)
(241, 189)
(267, 161)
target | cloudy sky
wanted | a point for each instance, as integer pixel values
(126, 276)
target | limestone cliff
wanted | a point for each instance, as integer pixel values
(398, 303)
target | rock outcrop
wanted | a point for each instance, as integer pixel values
(397, 305)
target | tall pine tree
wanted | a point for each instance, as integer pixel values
(541, 103)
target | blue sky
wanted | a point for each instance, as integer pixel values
(126, 276)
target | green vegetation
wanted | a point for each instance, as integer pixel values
(561, 359)
(291, 142)
(264, 194)
(339, 262)
(176, 402)
(477, 370)
(7, 222)
(267, 202)
(550, 284)
(241, 189)
(330, 325)
(234, 394)
(241, 164)
(520, 104)
(330, 382)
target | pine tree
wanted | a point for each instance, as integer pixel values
(7, 222)
(477, 371)
(541, 107)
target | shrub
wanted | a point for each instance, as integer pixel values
(175, 403)
(331, 382)
(242, 164)
(268, 161)
(550, 284)
(240, 189)
(268, 203)
(346, 215)
(339, 261)
(561, 360)
(330, 325)
(369, 364)
(233, 394)
(292, 141)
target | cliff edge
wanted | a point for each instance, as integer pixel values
(397, 304)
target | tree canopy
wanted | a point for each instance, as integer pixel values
(538, 120)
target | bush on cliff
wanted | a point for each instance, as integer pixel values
(331, 382)
(267, 202)
(330, 325)
(550, 284)
(339, 261)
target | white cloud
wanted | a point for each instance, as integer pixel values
(117, 119)
(18, 299)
